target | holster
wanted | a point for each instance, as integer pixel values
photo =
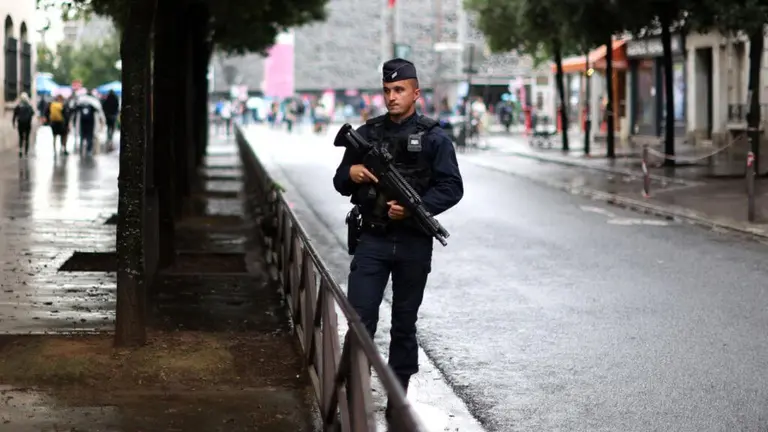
(354, 223)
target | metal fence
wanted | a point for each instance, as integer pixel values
(341, 378)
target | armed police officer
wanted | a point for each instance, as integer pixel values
(390, 243)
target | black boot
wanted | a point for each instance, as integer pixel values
(404, 383)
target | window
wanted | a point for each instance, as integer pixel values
(11, 63)
(25, 59)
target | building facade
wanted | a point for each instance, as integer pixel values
(646, 86)
(592, 67)
(18, 62)
(345, 52)
(718, 82)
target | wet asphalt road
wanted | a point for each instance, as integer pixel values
(552, 312)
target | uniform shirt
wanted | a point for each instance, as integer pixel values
(446, 188)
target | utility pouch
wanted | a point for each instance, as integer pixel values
(354, 223)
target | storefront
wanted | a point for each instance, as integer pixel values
(575, 70)
(647, 114)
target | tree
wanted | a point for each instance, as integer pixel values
(591, 23)
(235, 26)
(46, 59)
(60, 63)
(528, 27)
(96, 62)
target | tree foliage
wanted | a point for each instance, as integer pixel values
(236, 26)
(93, 63)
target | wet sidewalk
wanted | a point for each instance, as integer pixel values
(220, 354)
(51, 207)
(686, 192)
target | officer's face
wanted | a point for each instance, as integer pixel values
(400, 96)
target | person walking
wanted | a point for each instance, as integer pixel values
(111, 107)
(391, 243)
(58, 118)
(86, 119)
(23, 114)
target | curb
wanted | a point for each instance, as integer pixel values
(575, 164)
(667, 212)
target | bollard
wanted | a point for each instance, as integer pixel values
(751, 187)
(646, 173)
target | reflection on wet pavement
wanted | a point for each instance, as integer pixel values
(50, 207)
(214, 289)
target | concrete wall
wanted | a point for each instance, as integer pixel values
(20, 12)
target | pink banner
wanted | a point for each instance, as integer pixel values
(278, 71)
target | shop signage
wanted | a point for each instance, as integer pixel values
(652, 47)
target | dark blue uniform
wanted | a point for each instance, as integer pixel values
(402, 250)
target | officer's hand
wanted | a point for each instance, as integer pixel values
(396, 211)
(360, 174)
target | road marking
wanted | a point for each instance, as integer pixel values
(598, 210)
(631, 221)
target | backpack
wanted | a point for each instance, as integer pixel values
(25, 113)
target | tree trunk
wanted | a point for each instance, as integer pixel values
(200, 84)
(166, 75)
(181, 119)
(756, 46)
(135, 52)
(610, 137)
(560, 76)
(151, 228)
(191, 142)
(669, 91)
(587, 106)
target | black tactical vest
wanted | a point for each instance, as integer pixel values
(407, 148)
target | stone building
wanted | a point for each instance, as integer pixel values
(17, 63)
(346, 51)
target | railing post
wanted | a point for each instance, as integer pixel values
(330, 363)
(359, 393)
(751, 186)
(646, 173)
(308, 303)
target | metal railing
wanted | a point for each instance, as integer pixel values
(341, 378)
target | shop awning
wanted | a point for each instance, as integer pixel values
(577, 64)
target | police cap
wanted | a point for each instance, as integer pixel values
(397, 70)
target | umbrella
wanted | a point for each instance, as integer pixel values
(115, 86)
(45, 84)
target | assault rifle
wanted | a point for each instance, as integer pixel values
(391, 182)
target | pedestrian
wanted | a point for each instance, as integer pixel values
(226, 115)
(58, 117)
(23, 114)
(391, 243)
(86, 116)
(111, 107)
